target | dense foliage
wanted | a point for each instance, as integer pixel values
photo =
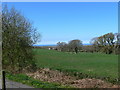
(108, 43)
(18, 37)
(71, 46)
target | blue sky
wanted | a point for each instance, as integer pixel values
(65, 21)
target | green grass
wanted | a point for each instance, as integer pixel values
(24, 79)
(97, 65)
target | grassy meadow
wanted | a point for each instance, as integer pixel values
(92, 64)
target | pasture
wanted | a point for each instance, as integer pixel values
(93, 64)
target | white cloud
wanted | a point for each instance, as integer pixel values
(46, 42)
(86, 42)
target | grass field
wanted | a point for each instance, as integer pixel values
(93, 64)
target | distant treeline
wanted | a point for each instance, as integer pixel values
(108, 43)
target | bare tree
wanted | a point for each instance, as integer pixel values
(117, 43)
(104, 43)
(75, 45)
(95, 43)
(62, 46)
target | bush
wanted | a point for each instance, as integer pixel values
(18, 38)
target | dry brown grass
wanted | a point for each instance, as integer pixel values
(58, 77)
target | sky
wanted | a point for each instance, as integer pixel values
(65, 21)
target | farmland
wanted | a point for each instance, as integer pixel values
(93, 64)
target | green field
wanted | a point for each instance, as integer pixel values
(93, 64)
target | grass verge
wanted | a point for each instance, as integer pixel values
(24, 79)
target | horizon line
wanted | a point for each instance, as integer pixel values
(54, 44)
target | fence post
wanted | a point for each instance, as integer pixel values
(3, 80)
